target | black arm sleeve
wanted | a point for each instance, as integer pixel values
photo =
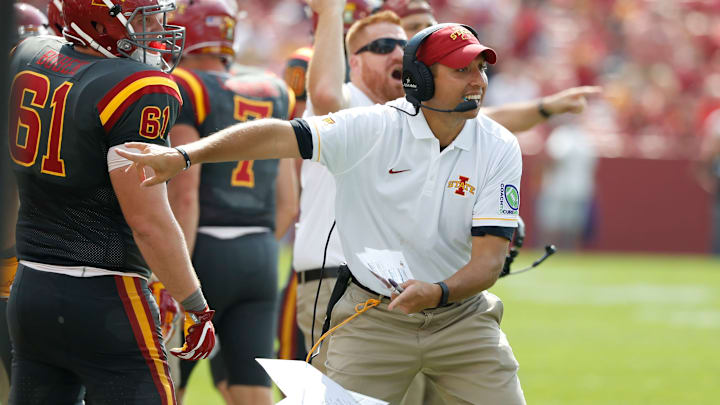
(303, 136)
(501, 231)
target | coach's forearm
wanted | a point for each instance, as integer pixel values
(255, 140)
(516, 117)
(483, 269)
(473, 278)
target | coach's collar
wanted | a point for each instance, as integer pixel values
(464, 140)
(419, 126)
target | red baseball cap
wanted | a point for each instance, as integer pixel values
(453, 46)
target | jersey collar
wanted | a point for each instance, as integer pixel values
(421, 130)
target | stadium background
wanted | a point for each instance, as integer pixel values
(594, 326)
(657, 60)
(590, 327)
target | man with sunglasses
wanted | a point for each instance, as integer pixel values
(374, 47)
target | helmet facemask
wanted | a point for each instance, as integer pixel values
(120, 29)
(150, 47)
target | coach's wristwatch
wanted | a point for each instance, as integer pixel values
(445, 294)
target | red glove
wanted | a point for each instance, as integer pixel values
(169, 309)
(199, 336)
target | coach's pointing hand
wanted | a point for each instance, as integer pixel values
(418, 295)
(165, 162)
(572, 100)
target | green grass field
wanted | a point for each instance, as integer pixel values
(604, 329)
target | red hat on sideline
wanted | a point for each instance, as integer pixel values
(454, 46)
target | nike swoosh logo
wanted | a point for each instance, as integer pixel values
(391, 171)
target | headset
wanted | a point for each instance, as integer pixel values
(417, 79)
(517, 243)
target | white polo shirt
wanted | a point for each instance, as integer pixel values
(396, 190)
(317, 206)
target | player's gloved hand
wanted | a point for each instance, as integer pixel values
(169, 309)
(199, 335)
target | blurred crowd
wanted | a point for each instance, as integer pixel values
(658, 60)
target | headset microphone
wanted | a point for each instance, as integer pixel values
(467, 105)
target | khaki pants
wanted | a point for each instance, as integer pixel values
(4, 385)
(460, 348)
(305, 303)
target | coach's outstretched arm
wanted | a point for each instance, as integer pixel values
(521, 116)
(256, 140)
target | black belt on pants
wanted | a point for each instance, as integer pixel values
(344, 278)
(316, 274)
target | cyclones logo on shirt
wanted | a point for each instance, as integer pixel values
(461, 185)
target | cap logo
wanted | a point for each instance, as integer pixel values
(461, 33)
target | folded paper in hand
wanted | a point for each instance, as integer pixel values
(387, 264)
(303, 384)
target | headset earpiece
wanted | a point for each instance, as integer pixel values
(426, 87)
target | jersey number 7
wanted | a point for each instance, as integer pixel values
(246, 110)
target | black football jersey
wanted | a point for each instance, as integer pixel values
(236, 193)
(66, 110)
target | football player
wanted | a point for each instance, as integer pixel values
(87, 237)
(29, 21)
(294, 75)
(231, 213)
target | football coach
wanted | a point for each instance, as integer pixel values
(427, 176)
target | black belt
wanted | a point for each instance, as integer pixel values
(357, 283)
(317, 274)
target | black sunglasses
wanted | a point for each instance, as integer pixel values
(382, 46)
